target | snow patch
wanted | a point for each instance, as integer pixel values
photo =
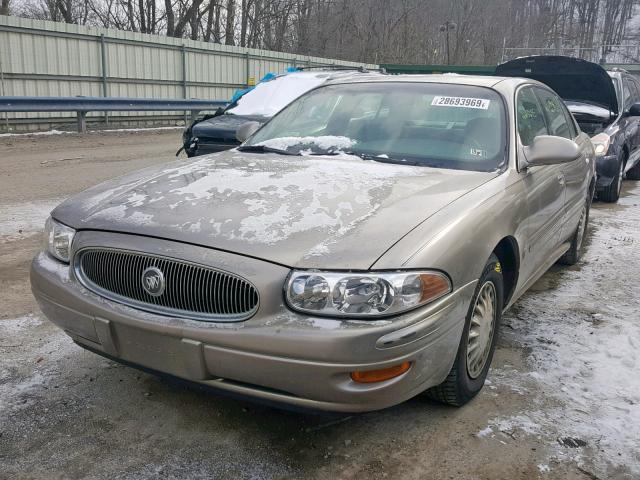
(485, 432)
(524, 423)
(282, 199)
(583, 337)
(15, 326)
(542, 468)
(324, 142)
(268, 98)
(58, 132)
(28, 216)
(119, 213)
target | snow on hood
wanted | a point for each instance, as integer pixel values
(326, 142)
(313, 212)
(269, 97)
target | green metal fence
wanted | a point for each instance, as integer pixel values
(42, 58)
(432, 69)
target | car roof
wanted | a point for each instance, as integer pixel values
(329, 74)
(454, 78)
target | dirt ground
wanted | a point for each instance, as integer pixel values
(562, 400)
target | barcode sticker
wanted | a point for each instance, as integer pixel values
(464, 102)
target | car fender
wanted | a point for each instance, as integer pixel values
(459, 239)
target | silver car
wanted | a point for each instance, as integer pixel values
(357, 250)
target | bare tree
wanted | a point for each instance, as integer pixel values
(4, 7)
(377, 31)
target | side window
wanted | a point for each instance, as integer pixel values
(571, 121)
(630, 93)
(637, 87)
(530, 117)
(554, 114)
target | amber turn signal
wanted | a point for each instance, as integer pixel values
(372, 376)
(433, 286)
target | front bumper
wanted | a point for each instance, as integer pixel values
(607, 167)
(277, 355)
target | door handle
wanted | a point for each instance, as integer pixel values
(560, 178)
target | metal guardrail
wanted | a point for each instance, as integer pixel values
(83, 105)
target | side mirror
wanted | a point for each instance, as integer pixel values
(634, 111)
(245, 130)
(551, 150)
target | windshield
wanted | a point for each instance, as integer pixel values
(269, 97)
(426, 124)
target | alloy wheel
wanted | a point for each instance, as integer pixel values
(481, 329)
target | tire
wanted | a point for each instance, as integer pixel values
(634, 172)
(611, 194)
(572, 256)
(465, 381)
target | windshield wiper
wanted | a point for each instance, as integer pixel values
(362, 155)
(366, 156)
(264, 149)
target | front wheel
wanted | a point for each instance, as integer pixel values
(611, 194)
(469, 371)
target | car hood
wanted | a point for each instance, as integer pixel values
(222, 126)
(571, 78)
(307, 212)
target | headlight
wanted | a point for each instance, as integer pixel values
(363, 294)
(601, 143)
(58, 239)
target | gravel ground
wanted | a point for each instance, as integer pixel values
(562, 400)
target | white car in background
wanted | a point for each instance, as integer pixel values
(217, 132)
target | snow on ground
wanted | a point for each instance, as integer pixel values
(584, 340)
(18, 334)
(24, 218)
(115, 130)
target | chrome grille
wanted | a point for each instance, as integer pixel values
(191, 290)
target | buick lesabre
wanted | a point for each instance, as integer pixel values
(357, 250)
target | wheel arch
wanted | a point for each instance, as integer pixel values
(508, 252)
(625, 153)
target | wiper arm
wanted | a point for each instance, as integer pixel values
(264, 149)
(385, 159)
(362, 155)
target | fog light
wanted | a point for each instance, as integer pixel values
(372, 376)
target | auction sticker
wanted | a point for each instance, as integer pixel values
(464, 102)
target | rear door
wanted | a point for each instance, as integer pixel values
(544, 185)
(576, 173)
(632, 123)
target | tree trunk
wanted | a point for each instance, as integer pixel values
(209, 27)
(141, 14)
(171, 19)
(231, 20)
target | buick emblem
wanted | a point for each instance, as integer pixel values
(153, 281)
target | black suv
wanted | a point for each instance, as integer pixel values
(606, 105)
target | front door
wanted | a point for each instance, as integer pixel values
(544, 186)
